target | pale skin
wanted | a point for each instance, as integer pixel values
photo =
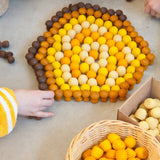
(153, 7)
(34, 102)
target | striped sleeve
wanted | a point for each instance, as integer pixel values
(8, 111)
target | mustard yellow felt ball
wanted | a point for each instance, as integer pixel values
(130, 142)
(75, 88)
(101, 40)
(84, 67)
(65, 87)
(76, 50)
(128, 75)
(57, 73)
(88, 40)
(122, 32)
(120, 80)
(105, 145)
(56, 65)
(57, 38)
(99, 22)
(57, 46)
(103, 71)
(141, 56)
(131, 69)
(51, 51)
(73, 21)
(51, 59)
(105, 87)
(95, 89)
(115, 88)
(113, 30)
(113, 50)
(67, 26)
(126, 39)
(62, 32)
(75, 58)
(81, 18)
(132, 44)
(136, 51)
(97, 152)
(59, 81)
(85, 87)
(108, 24)
(112, 60)
(135, 63)
(91, 19)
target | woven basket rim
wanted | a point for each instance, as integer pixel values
(108, 122)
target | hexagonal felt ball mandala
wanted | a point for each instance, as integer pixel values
(89, 53)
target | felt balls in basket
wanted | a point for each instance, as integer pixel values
(92, 136)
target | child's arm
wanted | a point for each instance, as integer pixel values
(22, 102)
(153, 7)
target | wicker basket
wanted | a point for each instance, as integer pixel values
(97, 132)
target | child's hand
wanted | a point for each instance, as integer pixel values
(153, 7)
(34, 102)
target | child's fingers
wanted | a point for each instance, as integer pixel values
(43, 114)
(153, 13)
(157, 15)
(47, 94)
(147, 9)
(47, 102)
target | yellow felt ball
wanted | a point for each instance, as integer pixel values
(126, 39)
(95, 89)
(62, 32)
(101, 40)
(132, 44)
(59, 81)
(88, 40)
(122, 32)
(57, 73)
(113, 50)
(141, 152)
(131, 69)
(97, 152)
(73, 21)
(86, 153)
(135, 63)
(56, 65)
(91, 19)
(57, 38)
(118, 144)
(103, 71)
(57, 46)
(67, 26)
(81, 18)
(113, 30)
(51, 51)
(111, 154)
(136, 51)
(75, 58)
(141, 56)
(131, 153)
(51, 59)
(103, 158)
(84, 67)
(105, 87)
(112, 60)
(105, 145)
(75, 88)
(76, 49)
(85, 87)
(90, 158)
(115, 88)
(99, 22)
(108, 24)
(65, 87)
(112, 137)
(128, 75)
(121, 155)
(130, 141)
(120, 80)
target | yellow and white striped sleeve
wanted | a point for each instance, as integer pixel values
(8, 111)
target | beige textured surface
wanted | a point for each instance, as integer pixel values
(49, 138)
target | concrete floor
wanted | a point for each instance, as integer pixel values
(49, 138)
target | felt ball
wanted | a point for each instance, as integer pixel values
(89, 60)
(126, 50)
(102, 62)
(77, 28)
(129, 58)
(93, 28)
(103, 55)
(66, 38)
(103, 48)
(66, 46)
(102, 30)
(71, 33)
(121, 70)
(85, 24)
(113, 74)
(83, 54)
(95, 66)
(95, 45)
(82, 79)
(117, 38)
(152, 122)
(59, 55)
(144, 125)
(141, 114)
(110, 82)
(92, 82)
(73, 82)
(86, 47)
(66, 76)
(65, 68)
